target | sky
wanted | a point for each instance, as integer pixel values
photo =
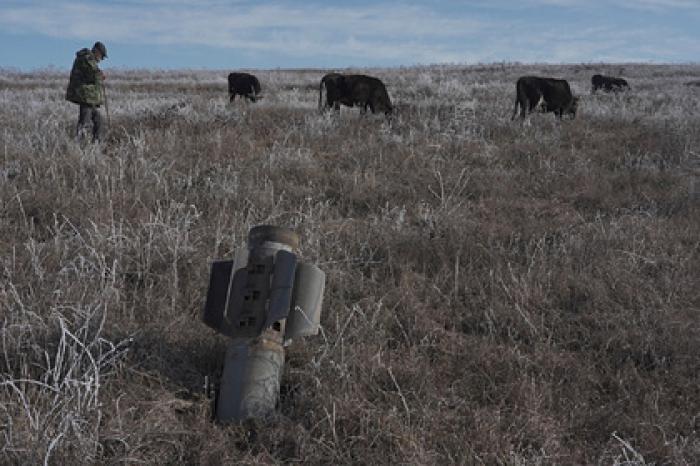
(216, 34)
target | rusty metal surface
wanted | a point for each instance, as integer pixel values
(264, 233)
(251, 379)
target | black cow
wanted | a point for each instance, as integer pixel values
(336, 92)
(549, 94)
(608, 83)
(354, 89)
(243, 84)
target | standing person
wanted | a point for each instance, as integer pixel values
(86, 89)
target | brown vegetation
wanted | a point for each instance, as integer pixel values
(496, 292)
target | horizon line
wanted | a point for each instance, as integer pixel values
(50, 67)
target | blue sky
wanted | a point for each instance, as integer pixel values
(334, 34)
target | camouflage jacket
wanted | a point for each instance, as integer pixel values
(85, 86)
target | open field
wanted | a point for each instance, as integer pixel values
(496, 292)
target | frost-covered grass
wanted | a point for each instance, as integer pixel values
(497, 292)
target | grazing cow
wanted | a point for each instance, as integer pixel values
(549, 94)
(243, 84)
(354, 90)
(608, 83)
(336, 92)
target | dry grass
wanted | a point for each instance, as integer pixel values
(496, 293)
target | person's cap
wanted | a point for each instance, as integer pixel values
(101, 47)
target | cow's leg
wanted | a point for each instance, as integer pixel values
(232, 98)
(520, 106)
(524, 108)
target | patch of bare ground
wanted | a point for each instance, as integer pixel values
(497, 293)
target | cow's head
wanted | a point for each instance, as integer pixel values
(573, 106)
(384, 106)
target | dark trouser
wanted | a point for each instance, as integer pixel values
(90, 112)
